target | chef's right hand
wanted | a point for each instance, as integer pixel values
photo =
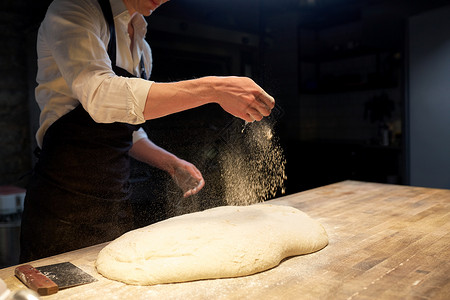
(242, 97)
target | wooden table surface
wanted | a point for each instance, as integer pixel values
(386, 242)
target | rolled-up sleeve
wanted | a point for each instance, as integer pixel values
(139, 134)
(77, 42)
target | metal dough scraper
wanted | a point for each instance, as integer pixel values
(47, 280)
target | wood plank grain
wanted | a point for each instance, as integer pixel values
(386, 242)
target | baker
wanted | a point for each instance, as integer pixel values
(94, 94)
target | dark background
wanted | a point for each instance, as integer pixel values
(337, 69)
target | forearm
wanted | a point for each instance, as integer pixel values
(167, 98)
(185, 174)
(146, 151)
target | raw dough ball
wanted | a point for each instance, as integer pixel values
(226, 241)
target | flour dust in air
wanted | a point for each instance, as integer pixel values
(253, 165)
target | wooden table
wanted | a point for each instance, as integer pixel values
(386, 242)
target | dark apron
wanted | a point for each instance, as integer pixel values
(79, 192)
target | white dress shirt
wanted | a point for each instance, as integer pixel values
(74, 66)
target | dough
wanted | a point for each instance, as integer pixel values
(226, 241)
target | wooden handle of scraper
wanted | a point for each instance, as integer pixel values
(35, 280)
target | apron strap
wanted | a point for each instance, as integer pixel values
(107, 12)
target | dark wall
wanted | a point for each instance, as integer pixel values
(17, 22)
(429, 105)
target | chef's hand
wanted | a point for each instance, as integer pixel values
(243, 98)
(187, 177)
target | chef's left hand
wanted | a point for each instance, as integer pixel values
(187, 177)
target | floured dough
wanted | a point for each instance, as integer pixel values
(226, 241)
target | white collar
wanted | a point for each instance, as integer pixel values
(120, 11)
